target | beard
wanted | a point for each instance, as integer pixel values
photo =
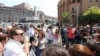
(22, 40)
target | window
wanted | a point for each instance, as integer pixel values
(96, 0)
(73, 10)
(40, 16)
(73, 1)
(69, 2)
(90, 0)
(78, 1)
(73, 16)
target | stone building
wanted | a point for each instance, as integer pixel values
(44, 17)
(21, 12)
(23, 6)
(74, 8)
(50, 19)
(41, 16)
(14, 14)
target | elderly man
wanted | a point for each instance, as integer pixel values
(8, 28)
(14, 46)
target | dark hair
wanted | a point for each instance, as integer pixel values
(40, 32)
(94, 47)
(50, 27)
(38, 26)
(54, 51)
(13, 32)
(98, 36)
(1, 29)
(3, 37)
(31, 39)
(42, 24)
(97, 49)
(79, 50)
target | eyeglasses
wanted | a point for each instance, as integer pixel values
(19, 34)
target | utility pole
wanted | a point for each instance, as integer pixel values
(77, 9)
(80, 6)
(98, 3)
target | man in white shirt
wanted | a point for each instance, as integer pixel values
(14, 47)
(31, 31)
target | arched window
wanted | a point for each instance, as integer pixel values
(73, 1)
(40, 16)
(78, 1)
(90, 0)
(96, 0)
(73, 10)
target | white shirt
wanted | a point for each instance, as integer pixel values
(31, 32)
(42, 43)
(26, 33)
(44, 29)
(49, 34)
(13, 48)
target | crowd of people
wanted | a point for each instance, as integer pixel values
(51, 41)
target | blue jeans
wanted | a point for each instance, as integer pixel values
(38, 51)
(50, 42)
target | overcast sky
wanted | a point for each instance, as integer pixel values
(49, 7)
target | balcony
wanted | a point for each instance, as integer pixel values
(73, 11)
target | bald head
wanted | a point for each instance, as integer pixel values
(9, 27)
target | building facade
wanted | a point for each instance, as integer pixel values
(41, 15)
(19, 13)
(43, 18)
(74, 8)
(14, 14)
(50, 19)
(23, 6)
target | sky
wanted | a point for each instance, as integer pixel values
(49, 7)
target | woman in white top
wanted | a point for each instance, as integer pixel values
(57, 37)
(49, 35)
(42, 42)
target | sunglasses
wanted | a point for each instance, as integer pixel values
(19, 34)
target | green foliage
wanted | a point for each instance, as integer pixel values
(46, 20)
(92, 10)
(91, 16)
(65, 17)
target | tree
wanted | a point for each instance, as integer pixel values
(46, 21)
(65, 17)
(91, 16)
